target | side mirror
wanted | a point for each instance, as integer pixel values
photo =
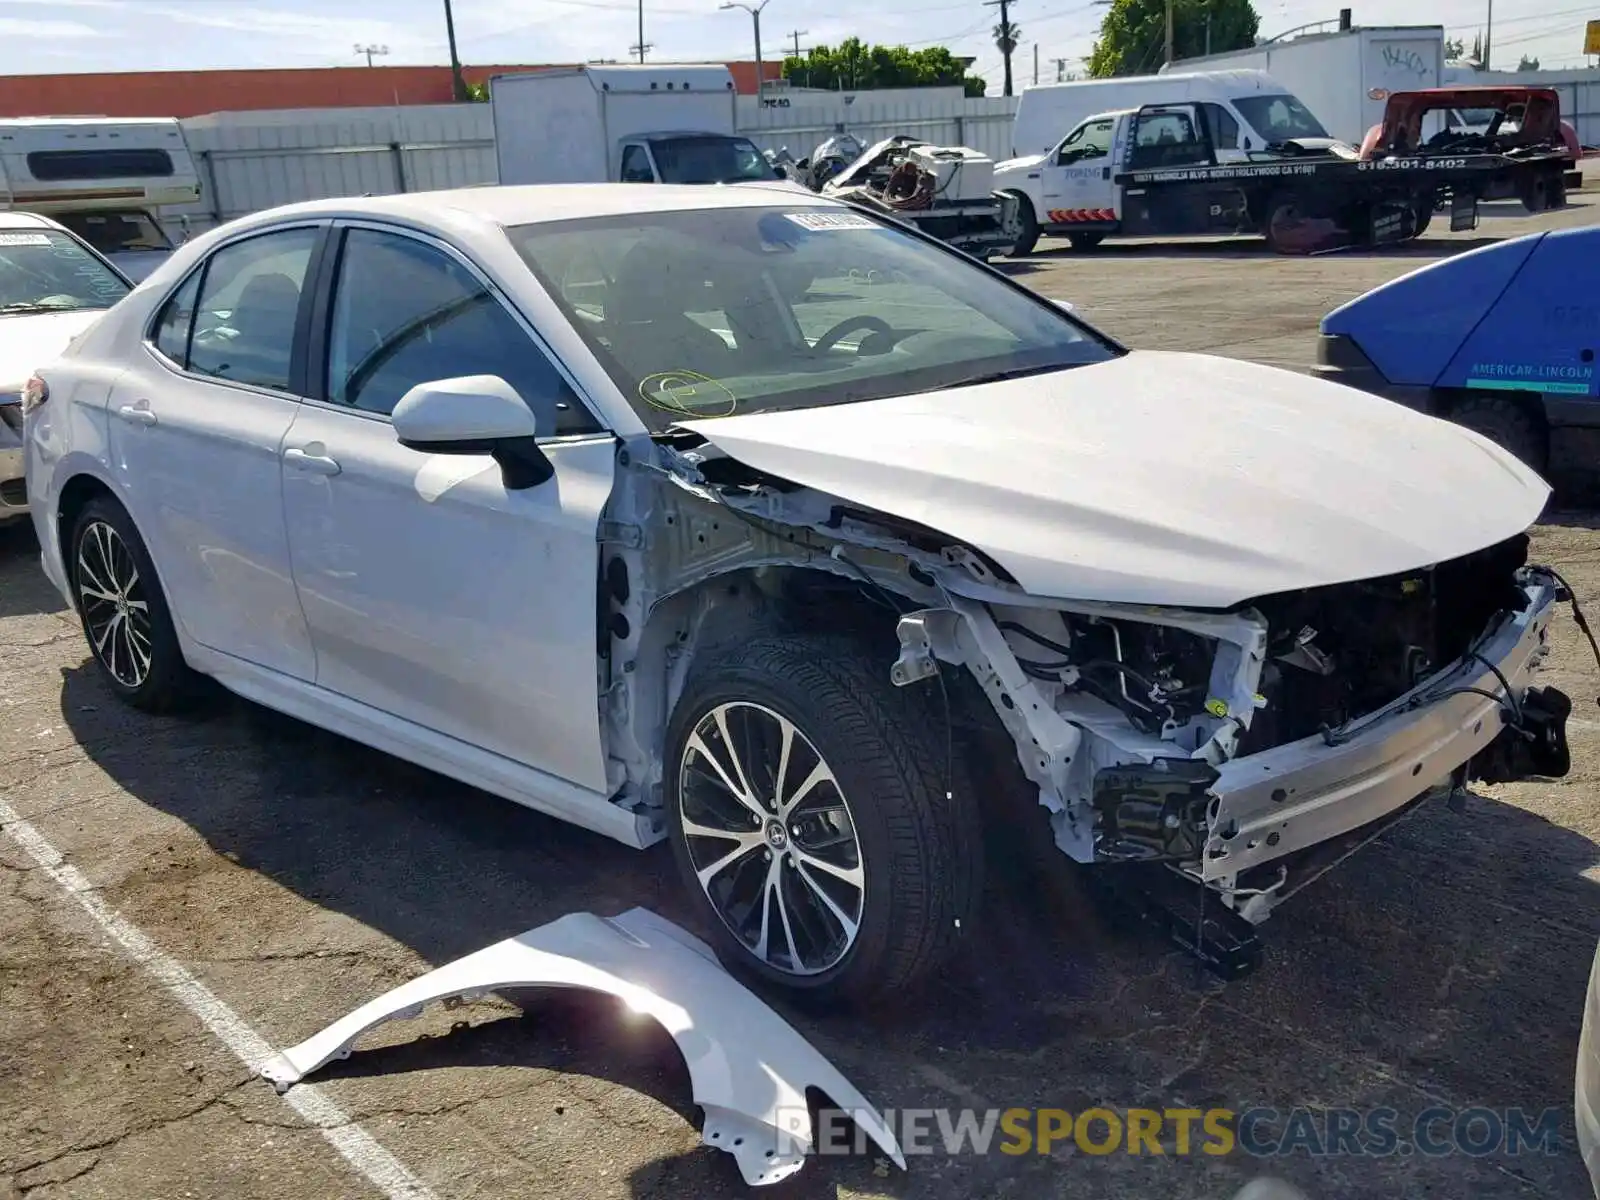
(474, 414)
(1248, 144)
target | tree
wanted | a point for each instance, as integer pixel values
(854, 65)
(1007, 35)
(1476, 57)
(1527, 64)
(1133, 33)
(1454, 49)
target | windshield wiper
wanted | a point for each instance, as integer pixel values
(998, 376)
(39, 306)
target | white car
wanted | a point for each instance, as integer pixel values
(53, 286)
(742, 519)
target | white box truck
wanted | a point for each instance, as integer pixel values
(106, 179)
(657, 123)
(1047, 112)
(1345, 76)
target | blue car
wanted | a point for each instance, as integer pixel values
(1501, 339)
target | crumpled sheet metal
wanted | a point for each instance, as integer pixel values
(749, 1068)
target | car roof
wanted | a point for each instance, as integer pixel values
(530, 204)
(16, 219)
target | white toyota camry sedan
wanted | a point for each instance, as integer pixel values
(746, 520)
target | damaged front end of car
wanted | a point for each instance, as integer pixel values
(1211, 761)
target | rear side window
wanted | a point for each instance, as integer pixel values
(60, 166)
(177, 318)
(249, 301)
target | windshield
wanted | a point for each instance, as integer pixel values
(708, 313)
(709, 160)
(48, 271)
(1279, 118)
(117, 231)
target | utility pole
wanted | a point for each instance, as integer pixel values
(795, 35)
(641, 46)
(1169, 32)
(1061, 70)
(369, 51)
(755, 18)
(1006, 39)
(1036, 64)
(458, 82)
(1488, 37)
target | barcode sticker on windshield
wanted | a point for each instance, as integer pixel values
(819, 222)
(24, 239)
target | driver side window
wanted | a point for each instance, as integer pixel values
(406, 313)
(636, 165)
(1088, 141)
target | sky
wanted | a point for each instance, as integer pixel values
(41, 36)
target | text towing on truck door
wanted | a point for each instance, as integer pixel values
(105, 179)
(1153, 172)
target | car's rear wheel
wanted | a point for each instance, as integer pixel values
(124, 610)
(820, 820)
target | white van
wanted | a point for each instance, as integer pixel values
(1251, 108)
(106, 179)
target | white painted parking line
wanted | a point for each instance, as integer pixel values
(358, 1147)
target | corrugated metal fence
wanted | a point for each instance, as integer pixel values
(251, 161)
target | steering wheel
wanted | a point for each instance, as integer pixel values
(828, 340)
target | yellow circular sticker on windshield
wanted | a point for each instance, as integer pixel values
(687, 393)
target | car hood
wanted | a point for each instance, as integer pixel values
(1026, 162)
(30, 341)
(1158, 478)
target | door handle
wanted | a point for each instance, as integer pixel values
(321, 464)
(137, 414)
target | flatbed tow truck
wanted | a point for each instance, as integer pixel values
(1155, 172)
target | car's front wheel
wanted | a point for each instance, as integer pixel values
(124, 610)
(820, 819)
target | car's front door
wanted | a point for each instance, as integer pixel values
(434, 593)
(195, 432)
(1077, 184)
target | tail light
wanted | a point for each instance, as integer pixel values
(34, 393)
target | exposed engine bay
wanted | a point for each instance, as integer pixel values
(945, 191)
(1219, 748)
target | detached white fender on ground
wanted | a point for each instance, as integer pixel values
(749, 1068)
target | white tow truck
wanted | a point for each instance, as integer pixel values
(658, 123)
(106, 179)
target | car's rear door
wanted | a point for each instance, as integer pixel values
(195, 432)
(433, 592)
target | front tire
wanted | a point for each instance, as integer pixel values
(1507, 424)
(1027, 228)
(124, 611)
(820, 820)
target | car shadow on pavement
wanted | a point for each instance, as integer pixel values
(1447, 960)
(23, 587)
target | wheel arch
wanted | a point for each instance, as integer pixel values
(75, 494)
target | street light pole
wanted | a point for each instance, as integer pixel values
(755, 18)
(1169, 32)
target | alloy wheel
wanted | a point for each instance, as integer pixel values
(116, 614)
(771, 838)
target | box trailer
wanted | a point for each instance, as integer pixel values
(1344, 77)
(657, 123)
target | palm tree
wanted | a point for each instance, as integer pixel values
(1007, 37)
